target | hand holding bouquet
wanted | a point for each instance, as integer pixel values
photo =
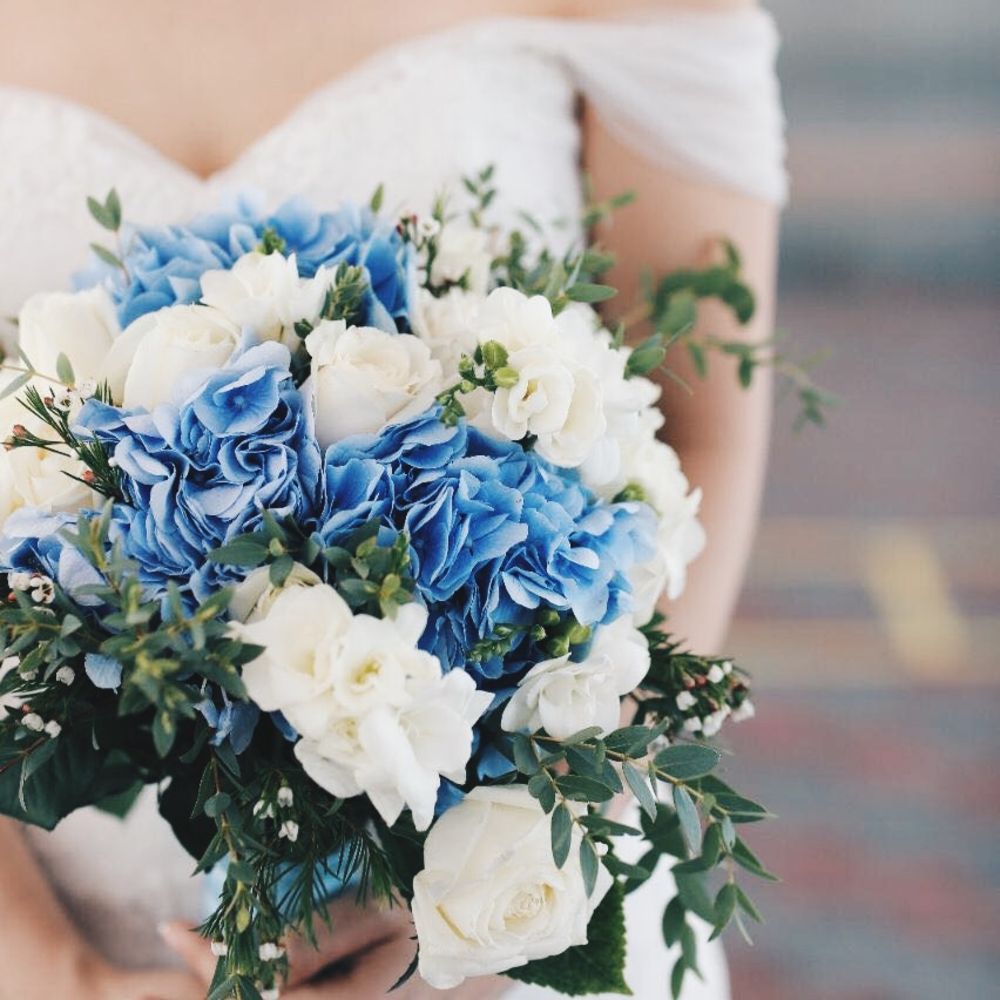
(348, 534)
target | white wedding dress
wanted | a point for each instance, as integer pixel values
(694, 92)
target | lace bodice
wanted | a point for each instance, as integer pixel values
(693, 92)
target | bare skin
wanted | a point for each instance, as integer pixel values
(235, 69)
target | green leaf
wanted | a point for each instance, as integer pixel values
(725, 906)
(604, 827)
(631, 740)
(595, 967)
(540, 786)
(217, 804)
(525, 758)
(242, 552)
(673, 921)
(164, 732)
(740, 809)
(562, 834)
(279, 570)
(104, 254)
(636, 781)
(583, 789)
(685, 761)
(375, 204)
(745, 857)
(16, 385)
(589, 864)
(584, 292)
(711, 846)
(687, 814)
(693, 891)
(64, 369)
(689, 948)
(645, 358)
(107, 214)
(698, 358)
(747, 906)
(676, 978)
(680, 315)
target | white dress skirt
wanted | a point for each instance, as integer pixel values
(693, 92)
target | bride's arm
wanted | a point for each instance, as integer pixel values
(43, 955)
(719, 429)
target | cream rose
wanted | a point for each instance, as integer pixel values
(363, 379)
(264, 293)
(490, 896)
(255, 595)
(564, 697)
(463, 255)
(149, 360)
(81, 325)
(36, 477)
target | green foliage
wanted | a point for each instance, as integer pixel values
(595, 967)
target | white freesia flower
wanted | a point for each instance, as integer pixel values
(555, 397)
(680, 538)
(81, 325)
(564, 697)
(363, 379)
(490, 897)
(375, 713)
(149, 360)
(264, 293)
(463, 255)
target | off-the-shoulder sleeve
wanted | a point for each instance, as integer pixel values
(694, 91)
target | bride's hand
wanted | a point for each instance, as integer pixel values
(108, 982)
(359, 958)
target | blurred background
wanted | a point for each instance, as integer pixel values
(871, 619)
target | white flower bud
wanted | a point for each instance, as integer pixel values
(715, 675)
(263, 809)
(289, 829)
(271, 994)
(727, 667)
(744, 712)
(219, 949)
(685, 700)
(66, 675)
(270, 951)
(33, 721)
(19, 581)
(53, 728)
(692, 725)
(285, 797)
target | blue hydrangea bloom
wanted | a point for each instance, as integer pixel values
(165, 263)
(495, 532)
(198, 473)
(32, 542)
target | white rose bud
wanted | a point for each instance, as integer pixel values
(66, 675)
(563, 697)
(490, 897)
(150, 359)
(81, 325)
(363, 379)
(255, 594)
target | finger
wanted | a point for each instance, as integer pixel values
(193, 949)
(353, 930)
(160, 984)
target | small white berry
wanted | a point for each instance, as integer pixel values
(285, 797)
(66, 675)
(289, 829)
(28, 675)
(270, 951)
(33, 721)
(685, 700)
(53, 728)
(715, 674)
(727, 667)
(744, 712)
(19, 581)
(43, 590)
(692, 725)
(219, 949)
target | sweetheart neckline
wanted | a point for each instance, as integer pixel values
(360, 70)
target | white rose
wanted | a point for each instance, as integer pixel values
(447, 325)
(564, 697)
(516, 320)
(363, 379)
(680, 538)
(254, 596)
(150, 359)
(490, 897)
(463, 255)
(264, 293)
(36, 477)
(81, 325)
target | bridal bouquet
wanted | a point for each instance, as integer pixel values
(347, 532)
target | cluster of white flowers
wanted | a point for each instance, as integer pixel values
(41, 588)
(34, 722)
(376, 715)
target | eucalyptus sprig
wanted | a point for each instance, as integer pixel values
(108, 215)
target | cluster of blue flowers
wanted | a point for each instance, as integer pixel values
(165, 263)
(495, 531)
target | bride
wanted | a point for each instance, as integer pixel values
(180, 104)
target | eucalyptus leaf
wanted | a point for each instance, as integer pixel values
(562, 834)
(687, 814)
